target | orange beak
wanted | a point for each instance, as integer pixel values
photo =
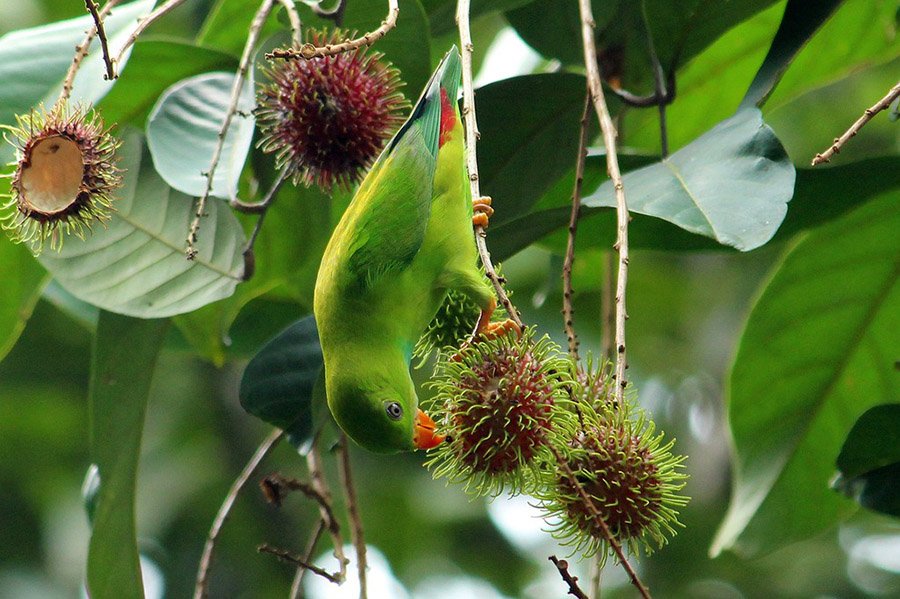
(424, 436)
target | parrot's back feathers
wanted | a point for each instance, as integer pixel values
(393, 204)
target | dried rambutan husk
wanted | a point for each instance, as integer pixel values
(64, 178)
(327, 118)
(501, 402)
(628, 473)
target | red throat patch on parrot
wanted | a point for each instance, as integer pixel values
(448, 118)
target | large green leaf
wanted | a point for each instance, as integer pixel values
(529, 137)
(183, 133)
(226, 25)
(124, 356)
(800, 21)
(283, 382)
(23, 279)
(33, 62)
(732, 184)
(155, 65)
(817, 351)
(869, 462)
(136, 264)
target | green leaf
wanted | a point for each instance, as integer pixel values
(869, 462)
(407, 46)
(732, 184)
(23, 280)
(124, 356)
(183, 132)
(817, 351)
(226, 26)
(800, 21)
(529, 137)
(34, 62)
(136, 264)
(284, 381)
(155, 65)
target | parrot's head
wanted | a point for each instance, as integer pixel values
(380, 412)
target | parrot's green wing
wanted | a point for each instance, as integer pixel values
(393, 203)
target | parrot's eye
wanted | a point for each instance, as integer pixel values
(394, 410)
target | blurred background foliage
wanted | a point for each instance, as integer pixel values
(687, 310)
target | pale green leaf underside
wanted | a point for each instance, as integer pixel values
(136, 265)
(183, 131)
(732, 184)
(817, 351)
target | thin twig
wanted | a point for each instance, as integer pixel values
(472, 137)
(604, 527)
(261, 208)
(568, 312)
(659, 82)
(855, 127)
(308, 50)
(275, 487)
(294, 19)
(356, 527)
(81, 50)
(143, 24)
(252, 37)
(607, 313)
(317, 480)
(297, 583)
(612, 166)
(101, 34)
(287, 556)
(201, 586)
(563, 567)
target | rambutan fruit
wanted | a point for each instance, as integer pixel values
(327, 118)
(64, 178)
(628, 474)
(500, 402)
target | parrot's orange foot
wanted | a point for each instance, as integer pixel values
(482, 212)
(501, 329)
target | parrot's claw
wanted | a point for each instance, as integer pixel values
(482, 212)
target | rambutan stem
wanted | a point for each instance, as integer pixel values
(604, 527)
(615, 175)
(308, 51)
(256, 25)
(472, 136)
(101, 34)
(81, 50)
(201, 587)
(568, 312)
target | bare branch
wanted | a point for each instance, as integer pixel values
(356, 527)
(143, 24)
(308, 51)
(261, 208)
(855, 127)
(81, 50)
(294, 19)
(297, 583)
(201, 586)
(252, 38)
(299, 561)
(563, 567)
(568, 312)
(317, 481)
(612, 166)
(472, 137)
(104, 44)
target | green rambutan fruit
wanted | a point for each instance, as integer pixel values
(327, 118)
(65, 174)
(501, 402)
(630, 476)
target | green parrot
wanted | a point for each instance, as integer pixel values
(405, 240)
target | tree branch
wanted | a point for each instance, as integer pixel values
(612, 166)
(81, 50)
(356, 528)
(563, 567)
(472, 137)
(143, 24)
(855, 127)
(308, 51)
(568, 312)
(300, 562)
(104, 44)
(202, 583)
(252, 37)
(297, 583)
